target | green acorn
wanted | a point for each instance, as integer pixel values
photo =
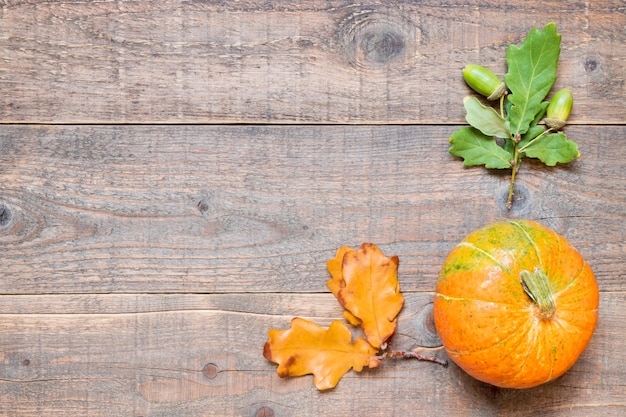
(483, 81)
(559, 109)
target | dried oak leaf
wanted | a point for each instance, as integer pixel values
(365, 282)
(328, 354)
(335, 267)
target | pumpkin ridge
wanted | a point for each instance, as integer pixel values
(569, 285)
(553, 363)
(532, 330)
(484, 252)
(572, 282)
(563, 247)
(564, 324)
(515, 332)
(560, 254)
(531, 241)
(533, 333)
(450, 298)
(570, 310)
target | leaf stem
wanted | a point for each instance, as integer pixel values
(517, 161)
(515, 166)
(530, 142)
(420, 357)
(509, 200)
(412, 355)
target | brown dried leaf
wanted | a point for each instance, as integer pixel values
(365, 282)
(328, 354)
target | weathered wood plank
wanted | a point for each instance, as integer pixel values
(90, 209)
(142, 266)
(313, 61)
(190, 355)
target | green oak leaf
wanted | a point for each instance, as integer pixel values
(485, 119)
(552, 149)
(532, 133)
(478, 149)
(542, 112)
(531, 74)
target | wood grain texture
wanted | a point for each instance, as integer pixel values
(266, 62)
(97, 209)
(198, 355)
(174, 176)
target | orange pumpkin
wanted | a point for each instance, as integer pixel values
(516, 304)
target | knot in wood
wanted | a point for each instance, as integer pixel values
(5, 215)
(265, 412)
(373, 39)
(591, 64)
(203, 206)
(381, 47)
(210, 370)
(521, 203)
(425, 332)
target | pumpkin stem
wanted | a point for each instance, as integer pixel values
(537, 286)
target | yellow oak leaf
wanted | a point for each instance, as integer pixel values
(365, 282)
(328, 354)
(335, 267)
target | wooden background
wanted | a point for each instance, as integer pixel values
(174, 176)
